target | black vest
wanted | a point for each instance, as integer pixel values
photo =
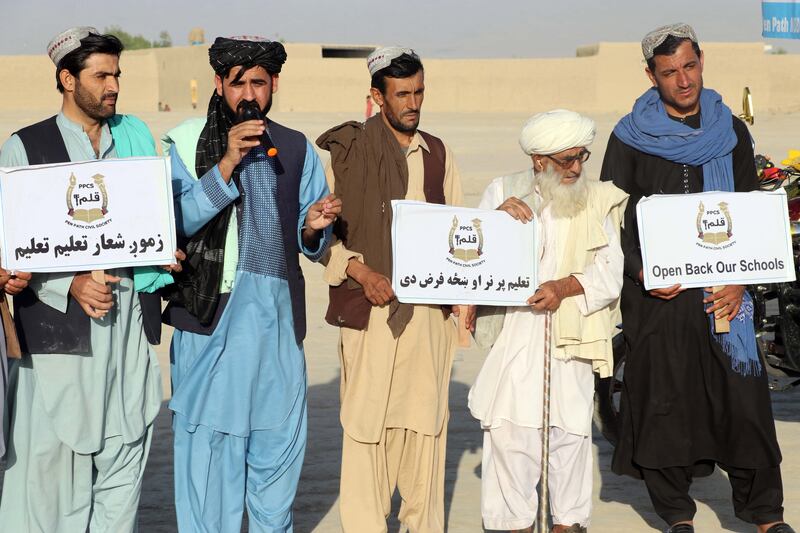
(292, 146)
(41, 328)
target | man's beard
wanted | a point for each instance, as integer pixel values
(93, 108)
(396, 124)
(267, 107)
(565, 199)
(232, 113)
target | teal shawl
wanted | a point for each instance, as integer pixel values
(132, 138)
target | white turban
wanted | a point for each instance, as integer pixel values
(556, 131)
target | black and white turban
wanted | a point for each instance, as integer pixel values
(247, 52)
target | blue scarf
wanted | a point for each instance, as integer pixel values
(649, 129)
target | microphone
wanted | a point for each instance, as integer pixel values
(249, 110)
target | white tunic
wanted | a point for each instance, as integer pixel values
(509, 385)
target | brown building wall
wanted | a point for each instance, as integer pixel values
(606, 78)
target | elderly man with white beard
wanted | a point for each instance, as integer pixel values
(580, 278)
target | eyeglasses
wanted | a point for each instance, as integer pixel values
(567, 162)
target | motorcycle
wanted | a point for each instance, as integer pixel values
(776, 305)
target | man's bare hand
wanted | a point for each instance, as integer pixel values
(323, 213)
(95, 299)
(241, 139)
(517, 209)
(667, 293)
(726, 301)
(471, 316)
(18, 282)
(547, 297)
(377, 287)
(176, 267)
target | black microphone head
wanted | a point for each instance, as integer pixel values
(248, 110)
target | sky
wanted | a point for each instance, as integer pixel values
(434, 28)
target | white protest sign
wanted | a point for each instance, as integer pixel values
(455, 255)
(90, 215)
(715, 238)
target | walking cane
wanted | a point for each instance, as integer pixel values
(544, 496)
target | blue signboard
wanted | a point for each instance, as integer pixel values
(780, 20)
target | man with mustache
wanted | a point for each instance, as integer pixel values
(87, 388)
(580, 277)
(396, 358)
(692, 400)
(250, 196)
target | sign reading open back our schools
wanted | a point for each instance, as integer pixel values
(89, 215)
(715, 238)
(455, 255)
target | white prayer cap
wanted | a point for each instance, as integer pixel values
(67, 41)
(382, 57)
(555, 131)
(655, 38)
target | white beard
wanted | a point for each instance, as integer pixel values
(565, 200)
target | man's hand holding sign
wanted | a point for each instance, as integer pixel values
(725, 301)
(15, 283)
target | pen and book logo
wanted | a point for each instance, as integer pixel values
(714, 226)
(91, 229)
(87, 199)
(466, 242)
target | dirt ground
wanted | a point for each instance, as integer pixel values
(485, 146)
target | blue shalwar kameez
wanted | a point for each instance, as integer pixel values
(239, 394)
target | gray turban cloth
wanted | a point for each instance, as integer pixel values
(555, 131)
(655, 38)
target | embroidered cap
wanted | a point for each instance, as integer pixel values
(382, 57)
(654, 39)
(67, 41)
